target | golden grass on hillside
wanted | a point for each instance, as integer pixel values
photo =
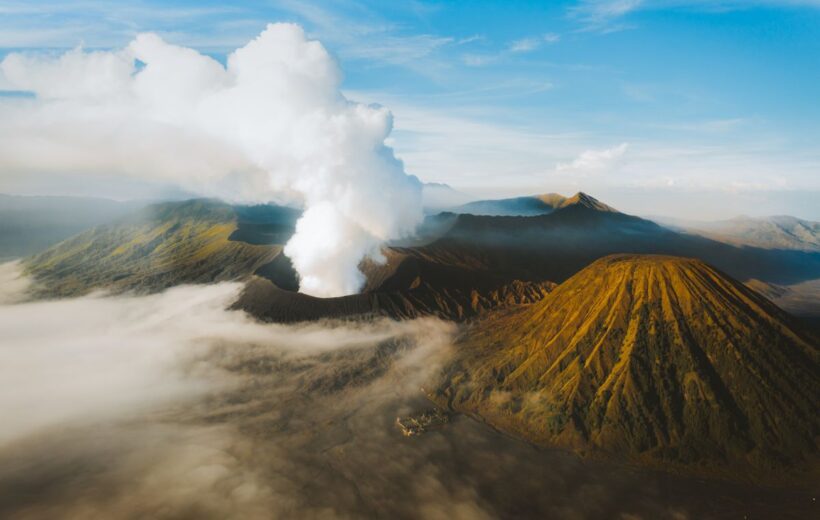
(661, 360)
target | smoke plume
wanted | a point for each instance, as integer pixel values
(272, 124)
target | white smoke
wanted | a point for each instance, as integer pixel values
(271, 125)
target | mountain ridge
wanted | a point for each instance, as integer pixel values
(771, 232)
(162, 245)
(662, 359)
(204, 241)
(556, 245)
(454, 253)
(528, 206)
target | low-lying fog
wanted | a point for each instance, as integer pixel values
(169, 406)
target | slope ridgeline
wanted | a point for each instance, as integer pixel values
(665, 361)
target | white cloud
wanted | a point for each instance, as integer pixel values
(271, 124)
(96, 23)
(398, 50)
(479, 60)
(359, 33)
(169, 405)
(602, 15)
(524, 45)
(468, 149)
(469, 39)
(592, 161)
(533, 43)
(520, 46)
(100, 356)
(114, 356)
(605, 15)
(14, 284)
(488, 155)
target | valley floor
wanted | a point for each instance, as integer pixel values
(285, 422)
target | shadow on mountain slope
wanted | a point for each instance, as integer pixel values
(557, 245)
(459, 265)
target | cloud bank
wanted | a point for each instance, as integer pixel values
(145, 405)
(114, 356)
(270, 125)
(170, 406)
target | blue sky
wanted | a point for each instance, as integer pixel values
(691, 108)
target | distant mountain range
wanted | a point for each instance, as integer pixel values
(438, 196)
(30, 224)
(160, 246)
(528, 206)
(777, 232)
(203, 241)
(558, 244)
(662, 360)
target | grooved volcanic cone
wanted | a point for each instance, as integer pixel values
(663, 359)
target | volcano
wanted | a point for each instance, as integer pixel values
(660, 360)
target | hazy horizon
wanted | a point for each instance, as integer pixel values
(657, 204)
(690, 110)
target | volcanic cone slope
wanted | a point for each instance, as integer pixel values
(660, 360)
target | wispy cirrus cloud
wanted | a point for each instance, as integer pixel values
(603, 15)
(726, 5)
(469, 39)
(533, 43)
(397, 50)
(519, 46)
(524, 45)
(479, 60)
(358, 33)
(710, 126)
(94, 23)
(608, 16)
(458, 138)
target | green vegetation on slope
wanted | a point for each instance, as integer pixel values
(163, 245)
